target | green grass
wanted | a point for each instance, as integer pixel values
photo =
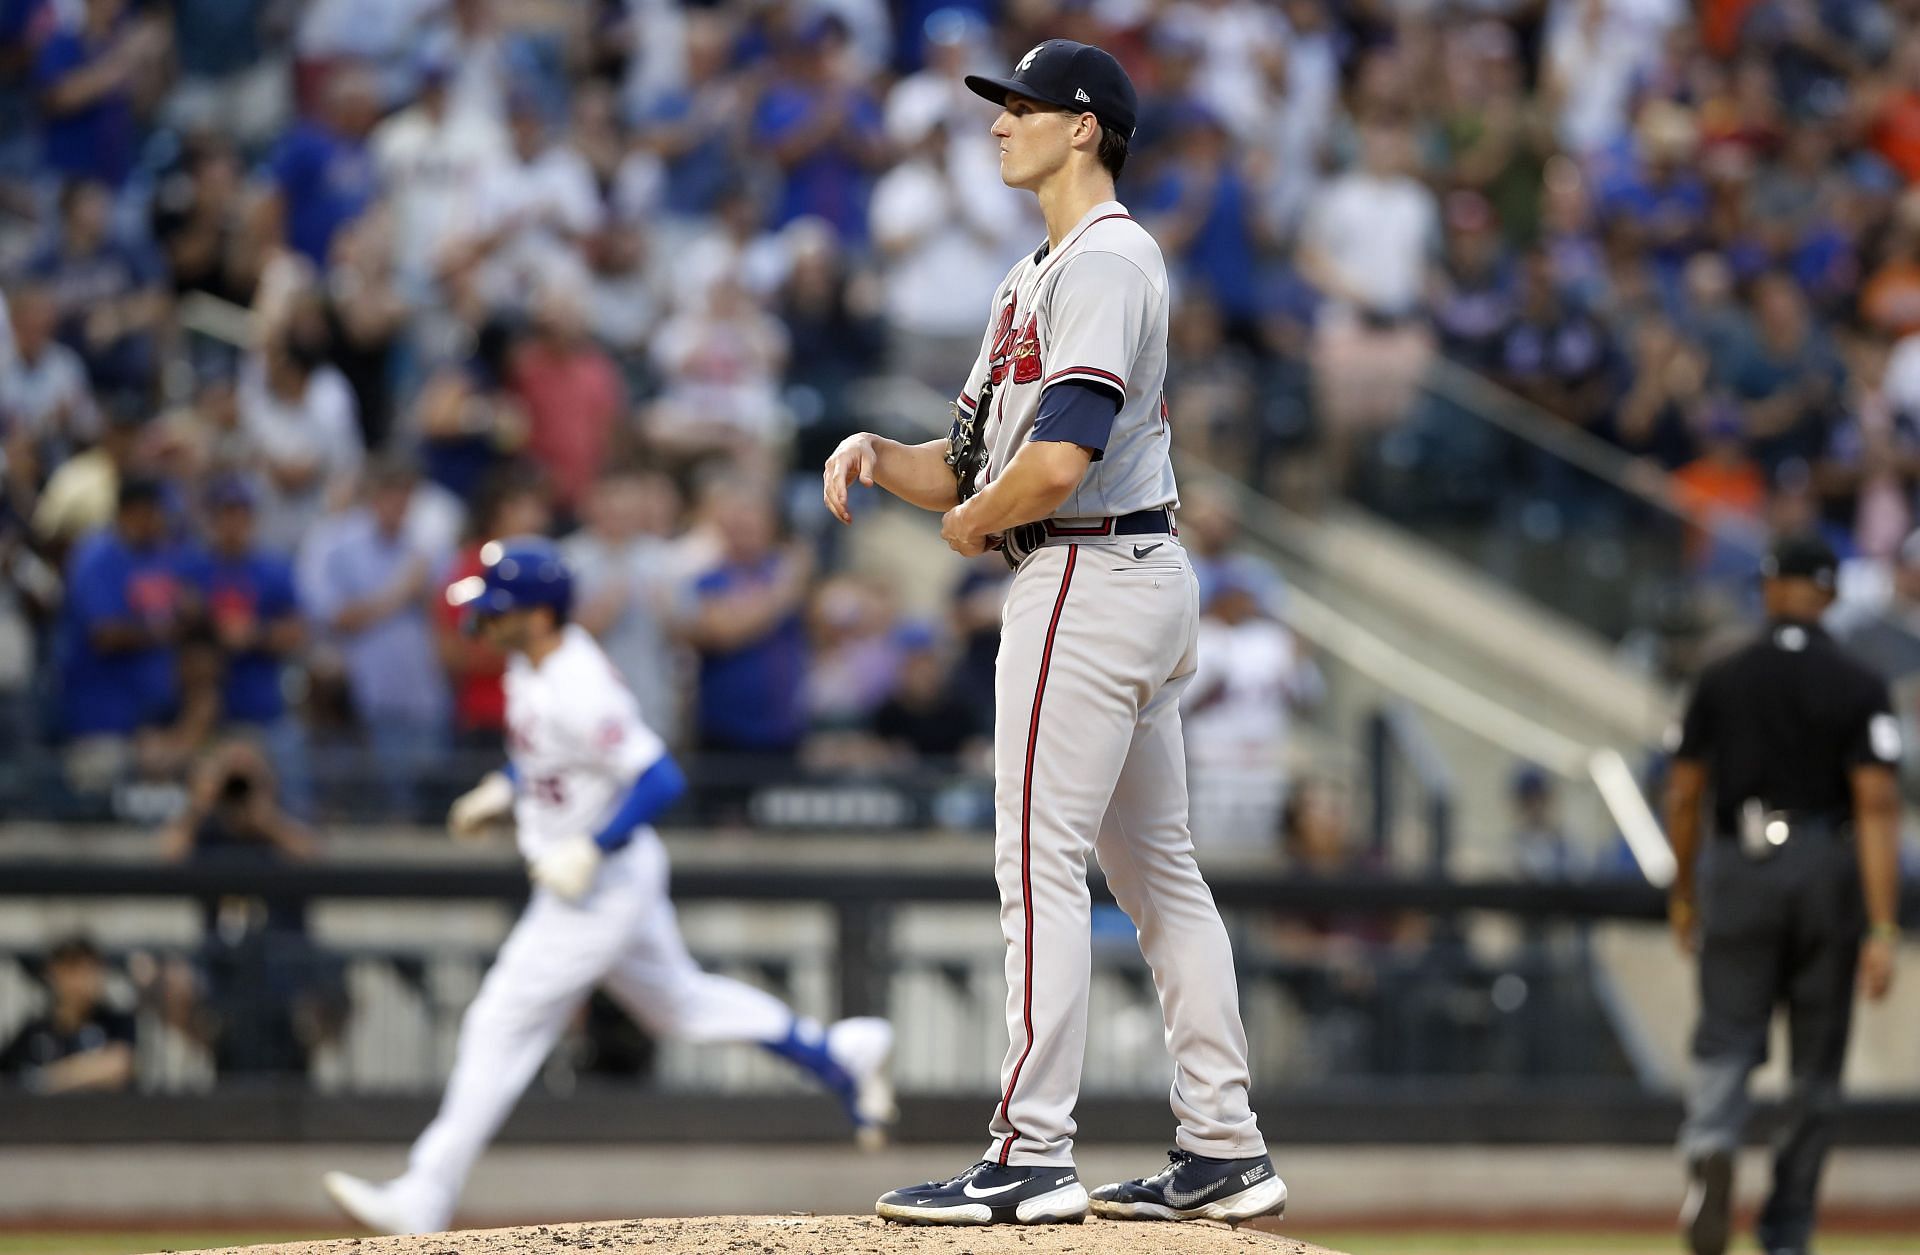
(1354, 1242)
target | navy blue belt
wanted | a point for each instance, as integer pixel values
(1019, 543)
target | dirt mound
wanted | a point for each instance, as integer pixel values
(812, 1235)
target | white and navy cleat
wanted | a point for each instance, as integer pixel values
(863, 1047)
(1193, 1187)
(991, 1193)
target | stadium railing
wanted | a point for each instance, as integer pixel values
(1426, 1010)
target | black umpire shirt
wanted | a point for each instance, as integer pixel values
(1784, 720)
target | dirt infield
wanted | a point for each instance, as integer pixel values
(812, 1235)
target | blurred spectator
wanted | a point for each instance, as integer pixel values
(88, 72)
(507, 506)
(1872, 462)
(526, 221)
(429, 159)
(631, 587)
(120, 630)
(1237, 712)
(1723, 490)
(1556, 355)
(247, 595)
(234, 72)
(694, 126)
(925, 718)
(80, 1043)
(200, 227)
(1879, 611)
(1667, 380)
(822, 128)
(1210, 530)
(365, 315)
(943, 244)
(108, 294)
(1200, 207)
(322, 174)
(979, 599)
(746, 624)
(1368, 245)
(1785, 371)
(1542, 851)
(1890, 302)
(1595, 52)
(834, 339)
(83, 492)
(720, 361)
(1210, 385)
(367, 587)
(47, 410)
(1896, 120)
(467, 420)
(574, 398)
(299, 417)
(1307, 77)
(261, 996)
(1475, 298)
(1659, 197)
(853, 653)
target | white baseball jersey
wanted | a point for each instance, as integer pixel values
(1093, 310)
(576, 739)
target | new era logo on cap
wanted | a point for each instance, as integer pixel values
(1071, 76)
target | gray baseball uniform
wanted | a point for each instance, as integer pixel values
(1097, 644)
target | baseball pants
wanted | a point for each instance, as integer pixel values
(1095, 649)
(623, 936)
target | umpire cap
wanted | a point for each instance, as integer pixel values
(517, 573)
(1073, 76)
(1801, 556)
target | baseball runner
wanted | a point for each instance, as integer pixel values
(1059, 457)
(585, 779)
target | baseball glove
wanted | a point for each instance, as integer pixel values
(967, 445)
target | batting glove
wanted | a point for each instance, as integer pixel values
(479, 806)
(567, 869)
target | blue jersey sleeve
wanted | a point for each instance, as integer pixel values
(657, 788)
(1078, 412)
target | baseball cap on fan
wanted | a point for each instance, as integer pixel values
(1069, 75)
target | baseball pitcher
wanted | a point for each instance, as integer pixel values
(584, 781)
(1059, 458)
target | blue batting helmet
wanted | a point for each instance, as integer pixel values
(517, 573)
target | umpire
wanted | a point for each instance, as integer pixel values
(1797, 747)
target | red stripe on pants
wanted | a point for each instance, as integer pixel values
(1026, 831)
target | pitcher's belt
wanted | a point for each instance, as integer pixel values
(1017, 545)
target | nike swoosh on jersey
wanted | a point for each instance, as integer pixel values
(1141, 551)
(974, 1191)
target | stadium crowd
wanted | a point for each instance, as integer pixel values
(303, 301)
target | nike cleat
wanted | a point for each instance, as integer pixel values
(991, 1193)
(1193, 1187)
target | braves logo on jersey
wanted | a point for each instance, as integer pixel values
(1018, 351)
(1026, 352)
(1001, 354)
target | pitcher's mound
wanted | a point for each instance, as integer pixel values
(813, 1235)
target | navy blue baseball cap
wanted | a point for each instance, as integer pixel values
(1069, 75)
(515, 574)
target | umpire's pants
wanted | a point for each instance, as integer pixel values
(1784, 929)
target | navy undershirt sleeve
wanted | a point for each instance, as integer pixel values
(1078, 412)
